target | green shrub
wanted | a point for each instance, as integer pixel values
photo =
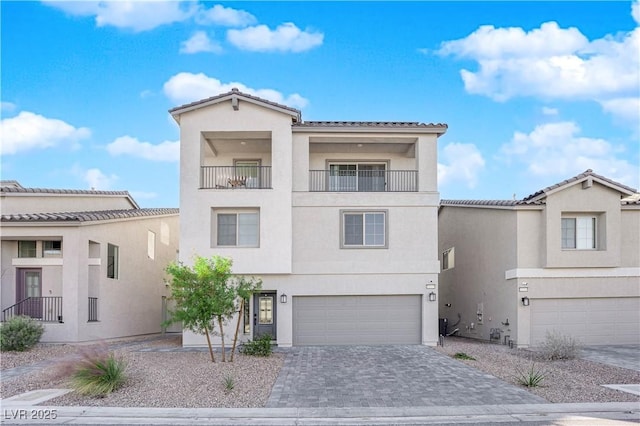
(20, 334)
(531, 377)
(98, 372)
(462, 355)
(258, 347)
(559, 346)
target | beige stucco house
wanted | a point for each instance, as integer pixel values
(88, 264)
(566, 258)
(339, 219)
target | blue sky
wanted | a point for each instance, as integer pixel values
(533, 93)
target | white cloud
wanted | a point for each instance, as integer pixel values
(549, 111)
(549, 62)
(98, 180)
(225, 16)
(7, 106)
(557, 149)
(187, 87)
(285, 38)
(138, 15)
(627, 109)
(200, 42)
(462, 162)
(167, 151)
(635, 11)
(28, 131)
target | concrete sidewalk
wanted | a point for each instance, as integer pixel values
(558, 414)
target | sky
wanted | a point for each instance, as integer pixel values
(533, 92)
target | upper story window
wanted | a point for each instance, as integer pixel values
(236, 229)
(579, 232)
(113, 261)
(151, 245)
(352, 177)
(448, 259)
(51, 248)
(27, 249)
(364, 229)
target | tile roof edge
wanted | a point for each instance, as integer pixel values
(233, 91)
(88, 216)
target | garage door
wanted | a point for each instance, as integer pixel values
(357, 320)
(592, 321)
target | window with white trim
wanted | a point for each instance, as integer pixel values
(27, 249)
(52, 248)
(579, 232)
(361, 177)
(364, 229)
(113, 261)
(448, 258)
(151, 244)
(236, 228)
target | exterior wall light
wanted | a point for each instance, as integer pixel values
(432, 297)
(283, 298)
(525, 301)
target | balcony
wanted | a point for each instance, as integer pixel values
(235, 177)
(363, 180)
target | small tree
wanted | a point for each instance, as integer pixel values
(205, 293)
(245, 287)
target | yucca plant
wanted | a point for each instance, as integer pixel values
(229, 383)
(462, 355)
(98, 372)
(531, 377)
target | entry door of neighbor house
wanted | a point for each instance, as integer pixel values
(29, 285)
(264, 314)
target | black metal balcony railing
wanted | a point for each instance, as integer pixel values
(363, 181)
(46, 309)
(232, 177)
(93, 309)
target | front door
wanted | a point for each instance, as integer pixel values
(29, 286)
(264, 314)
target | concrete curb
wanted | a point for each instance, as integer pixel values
(585, 412)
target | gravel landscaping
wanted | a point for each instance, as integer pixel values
(172, 378)
(565, 381)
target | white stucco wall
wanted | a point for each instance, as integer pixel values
(484, 243)
(274, 252)
(299, 249)
(130, 305)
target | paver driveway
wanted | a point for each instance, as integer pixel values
(385, 376)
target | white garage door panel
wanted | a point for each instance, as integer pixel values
(594, 321)
(352, 320)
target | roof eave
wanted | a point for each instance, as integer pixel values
(177, 111)
(370, 129)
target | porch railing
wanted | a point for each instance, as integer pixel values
(93, 309)
(363, 180)
(235, 177)
(45, 309)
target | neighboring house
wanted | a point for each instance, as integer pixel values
(566, 258)
(339, 219)
(88, 264)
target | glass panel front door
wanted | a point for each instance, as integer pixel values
(29, 286)
(266, 311)
(264, 314)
